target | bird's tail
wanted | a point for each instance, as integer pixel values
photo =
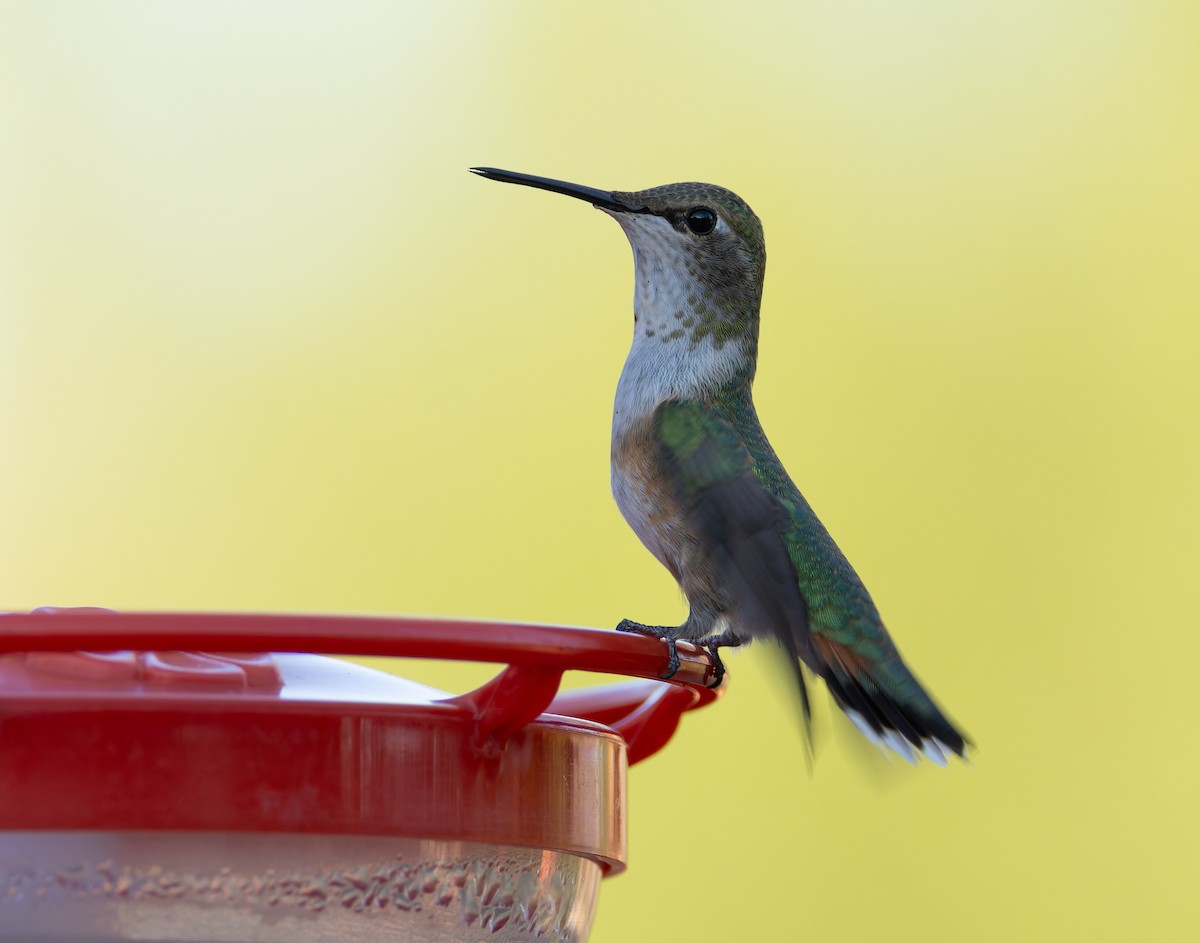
(886, 702)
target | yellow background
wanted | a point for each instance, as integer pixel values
(265, 344)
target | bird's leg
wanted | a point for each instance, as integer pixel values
(668, 633)
(726, 639)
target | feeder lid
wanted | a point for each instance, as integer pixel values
(153, 737)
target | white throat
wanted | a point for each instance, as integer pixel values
(668, 360)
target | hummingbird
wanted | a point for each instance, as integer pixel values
(696, 479)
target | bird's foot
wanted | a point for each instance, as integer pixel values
(668, 634)
(713, 643)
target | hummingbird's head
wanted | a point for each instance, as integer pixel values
(699, 256)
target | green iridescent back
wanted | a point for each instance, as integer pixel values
(839, 605)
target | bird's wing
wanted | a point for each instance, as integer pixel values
(752, 533)
(739, 521)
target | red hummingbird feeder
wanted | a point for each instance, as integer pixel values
(151, 791)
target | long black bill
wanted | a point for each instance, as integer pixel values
(601, 198)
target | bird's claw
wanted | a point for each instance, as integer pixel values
(712, 645)
(670, 635)
(718, 666)
(656, 631)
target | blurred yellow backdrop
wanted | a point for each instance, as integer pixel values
(265, 344)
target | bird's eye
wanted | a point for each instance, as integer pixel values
(700, 220)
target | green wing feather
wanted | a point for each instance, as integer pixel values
(784, 568)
